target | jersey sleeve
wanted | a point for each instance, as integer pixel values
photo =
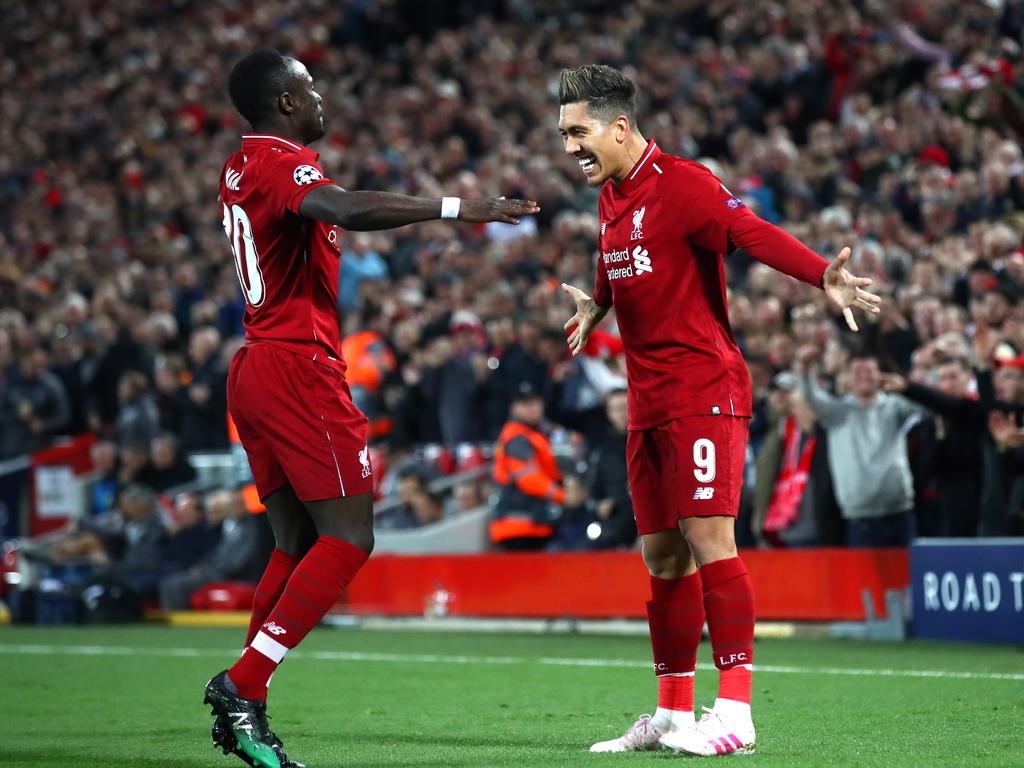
(289, 179)
(718, 218)
(711, 209)
(602, 289)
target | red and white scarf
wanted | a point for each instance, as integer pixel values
(790, 483)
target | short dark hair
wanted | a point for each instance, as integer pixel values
(606, 91)
(256, 81)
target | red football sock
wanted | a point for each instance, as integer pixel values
(675, 692)
(729, 602)
(269, 590)
(675, 615)
(314, 586)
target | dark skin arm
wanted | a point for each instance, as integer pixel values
(367, 211)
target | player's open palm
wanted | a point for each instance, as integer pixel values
(847, 291)
(496, 209)
(588, 315)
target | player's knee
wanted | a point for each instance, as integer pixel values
(360, 538)
(365, 541)
(665, 564)
(295, 545)
(666, 554)
(710, 544)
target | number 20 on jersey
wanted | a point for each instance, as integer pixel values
(238, 228)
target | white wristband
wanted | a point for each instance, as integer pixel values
(450, 207)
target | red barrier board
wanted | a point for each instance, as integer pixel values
(796, 584)
(53, 502)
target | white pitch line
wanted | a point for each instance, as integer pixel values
(430, 658)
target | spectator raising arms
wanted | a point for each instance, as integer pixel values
(867, 450)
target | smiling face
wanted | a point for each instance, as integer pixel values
(865, 378)
(599, 147)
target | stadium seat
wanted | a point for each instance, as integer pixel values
(223, 596)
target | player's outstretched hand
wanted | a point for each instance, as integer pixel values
(587, 316)
(496, 209)
(847, 291)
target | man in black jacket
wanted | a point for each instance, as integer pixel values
(1003, 501)
(951, 445)
(956, 443)
(204, 401)
(607, 480)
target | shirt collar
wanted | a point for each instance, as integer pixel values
(252, 141)
(642, 169)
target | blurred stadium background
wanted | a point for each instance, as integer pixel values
(891, 127)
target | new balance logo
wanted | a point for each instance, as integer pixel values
(241, 720)
(641, 260)
(703, 494)
(274, 628)
(231, 179)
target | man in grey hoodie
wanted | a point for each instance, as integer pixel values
(867, 452)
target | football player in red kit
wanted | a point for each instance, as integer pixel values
(305, 440)
(665, 225)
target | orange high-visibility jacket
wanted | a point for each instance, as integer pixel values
(530, 481)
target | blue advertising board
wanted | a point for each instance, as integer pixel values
(968, 589)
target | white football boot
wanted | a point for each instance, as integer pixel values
(714, 735)
(643, 735)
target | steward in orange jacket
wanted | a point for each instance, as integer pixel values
(529, 479)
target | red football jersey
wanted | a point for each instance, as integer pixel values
(287, 264)
(664, 232)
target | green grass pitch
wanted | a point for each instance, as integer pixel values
(132, 697)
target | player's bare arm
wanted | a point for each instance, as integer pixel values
(847, 292)
(588, 315)
(366, 211)
(276, 95)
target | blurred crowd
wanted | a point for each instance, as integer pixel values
(890, 127)
(144, 549)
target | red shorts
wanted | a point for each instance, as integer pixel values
(298, 425)
(688, 467)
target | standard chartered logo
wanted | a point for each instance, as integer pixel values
(633, 263)
(641, 261)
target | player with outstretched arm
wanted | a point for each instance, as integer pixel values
(665, 225)
(287, 394)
